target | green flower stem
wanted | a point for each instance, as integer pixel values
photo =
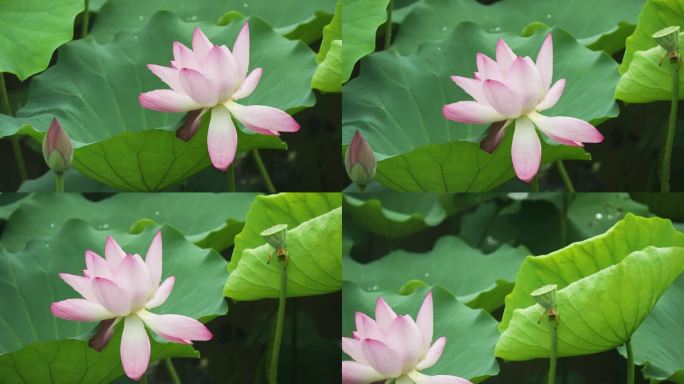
(565, 177)
(669, 136)
(273, 369)
(59, 182)
(16, 147)
(230, 173)
(143, 379)
(264, 173)
(630, 362)
(388, 25)
(85, 23)
(554, 352)
(534, 185)
(172, 371)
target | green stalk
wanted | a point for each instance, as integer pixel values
(59, 182)
(172, 371)
(669, 135)
(534, 185)
(86, 21)
(273, 369)
(388, 25)
(143, 379)
(264, 173)
(630, 362)
(16, 147)
(554, 352)
(565, 177)
(230, 173)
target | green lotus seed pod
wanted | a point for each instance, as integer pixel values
(276, 236)
(668, 38)
(546, 296)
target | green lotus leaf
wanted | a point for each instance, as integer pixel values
(655, 15)
(208, 220)
(36, 347)
(434, 20)
(360, 20)
(649, 77)
(129, 15)
(394, 215)
(9, 202)
(32, 30)
(292, 209)
(396, 103)
(598, 311)
(314, 265)
(590, 214)
(657, 343)
(328, 76)
(93, 90)
(479, 280)
(461, 325)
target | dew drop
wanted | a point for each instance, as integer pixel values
(497, 29)
(444, 29)
(105, 226)
(141, 17)
(548, 15)
(135, 37)
(245, 5)
(193, 18)
(156, 213)
(599, 216)
(47, 245)
(427, 274)
(52, 225)
(374, 288)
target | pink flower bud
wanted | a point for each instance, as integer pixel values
(57, 149)
(360, 161)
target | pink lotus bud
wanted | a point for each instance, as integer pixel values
(360, 161)
(57, 149)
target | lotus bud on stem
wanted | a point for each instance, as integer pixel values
(58, 152)
(276, 237)
(668, 39)
(360, 161)
(546, 297)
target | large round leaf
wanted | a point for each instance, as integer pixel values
(32, 30)
(597, 312)
(361, 19)
(474, 278)
(44, 349)
(209, 220)
(657, 343)
(395, 215)
(284, 208)
(319, 219)
(128, 15)
(602, 24)
(590, 214)
(597, 308)
(465, 328)
(314, 264)
(396, 103)
(93, 90)
(649, 77)
(655, 15)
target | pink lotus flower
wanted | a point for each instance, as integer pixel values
(124, 287)
(516, 89)
(211, 77)
(394, 347)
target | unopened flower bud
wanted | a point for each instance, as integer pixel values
(668, 38)
(360, 161)
(57, 149)
(276, 236)
(546, 296)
